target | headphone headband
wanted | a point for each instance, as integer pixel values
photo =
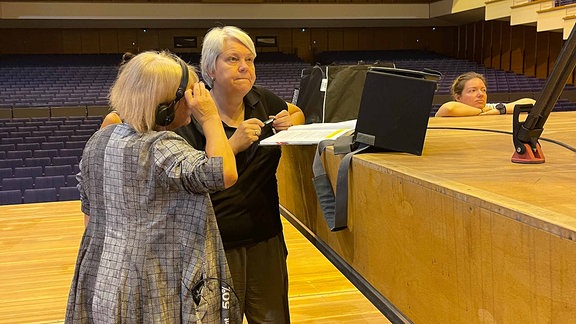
(165, 112)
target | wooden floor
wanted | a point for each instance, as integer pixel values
(38, 246)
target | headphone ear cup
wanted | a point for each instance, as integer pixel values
(164, 114)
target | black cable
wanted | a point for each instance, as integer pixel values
(566, 146)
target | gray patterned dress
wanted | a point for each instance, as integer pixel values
(151, 252)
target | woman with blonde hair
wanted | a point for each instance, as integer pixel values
(151, 251)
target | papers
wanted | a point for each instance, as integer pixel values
(310, 134)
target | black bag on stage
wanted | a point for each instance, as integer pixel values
(394, 111)
(310, 96)
(332, 93)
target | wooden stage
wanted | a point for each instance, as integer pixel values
(458, 235)
(39, 244)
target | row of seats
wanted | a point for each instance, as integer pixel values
(10, 197)
(72, 149)
(9, 171)
(37, 142)
(498, 81)
(39, 157)
(65, 129)
(52, 120)
(54, 181)
(68, 80)
(282, 77)
(38, 184)
(38, 148)
(14, 161)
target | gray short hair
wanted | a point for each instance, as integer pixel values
(147, 80)
(214, 43)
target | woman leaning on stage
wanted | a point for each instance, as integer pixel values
(248, 213)
(151, 251)
(470, 96)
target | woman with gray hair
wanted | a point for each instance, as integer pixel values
(248, 213)
(151, 251)
(470, 95)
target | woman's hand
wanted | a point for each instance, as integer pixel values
(201, 103)
(247, 133)
(281, 121)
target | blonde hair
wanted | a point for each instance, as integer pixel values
(147, 80)
(213, 45)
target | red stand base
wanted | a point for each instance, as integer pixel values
(529, 156)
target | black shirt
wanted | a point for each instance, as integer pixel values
(248, 212)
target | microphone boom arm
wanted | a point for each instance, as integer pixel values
(527, 133)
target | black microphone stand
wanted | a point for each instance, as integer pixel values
(527, 133)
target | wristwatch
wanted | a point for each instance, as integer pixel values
(501, 108)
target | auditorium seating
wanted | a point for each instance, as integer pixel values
(44, 168)
(50, 98)
(498, 81)
(84, 80)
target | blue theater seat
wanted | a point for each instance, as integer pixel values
(19, 183)
(58, 138)
(10, 197)
(11, 163)
(84, 132)
(40, 195)
(27, 128)
(7, 147)
(6, 173)
(50, 182)
(71, 152)
(48, 128)
(68, 127)
(20, 134)
(80, 138)
(71, 180)
(19, 154)
(12, 140)
(38, 161)
(68, 193)
(35, 139)
(63, 132)
(50, 153)
(28, 146)
(75, 144)
(65, 160)
(52, 145)
(50, 170)
(43, 133)
(32, 171)
(8, 128)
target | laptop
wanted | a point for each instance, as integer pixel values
(395, 108)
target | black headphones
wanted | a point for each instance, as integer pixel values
(165, 112)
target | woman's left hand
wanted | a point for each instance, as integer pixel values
(281, 121)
